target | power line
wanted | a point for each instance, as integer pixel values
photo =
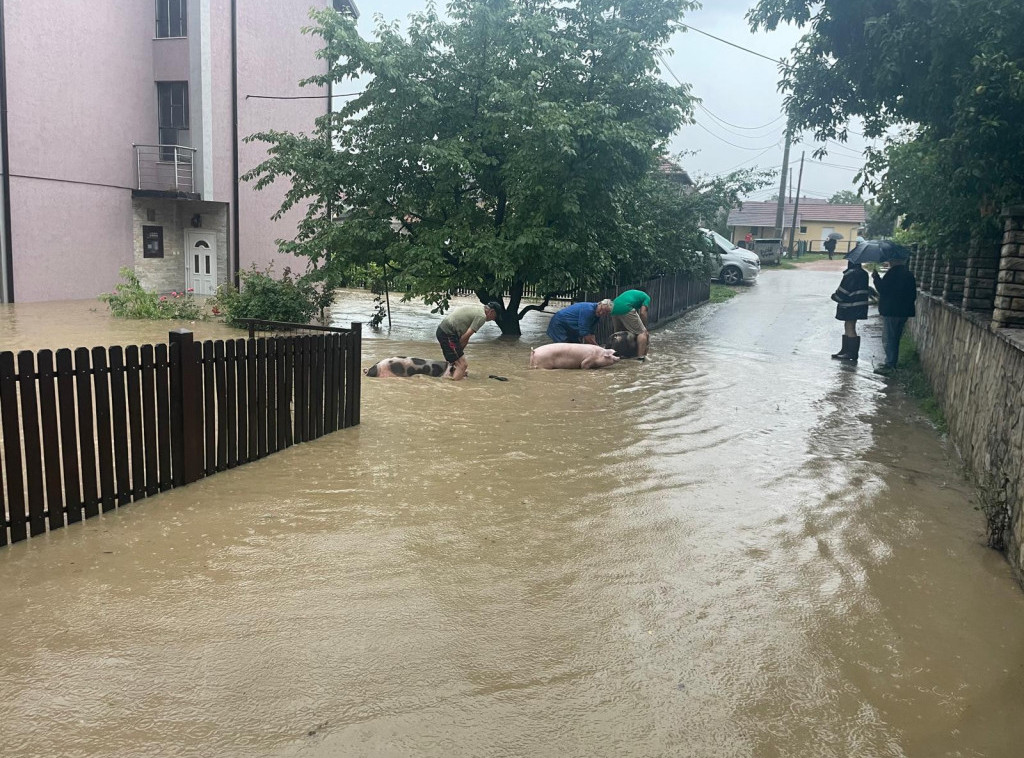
(733, 144)
(727, 42)
(697, 123)
(769, 149)
(302, 97)
(723, 126)
(736, 126)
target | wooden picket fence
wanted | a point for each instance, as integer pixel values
(83, 432)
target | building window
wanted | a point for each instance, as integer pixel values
(172, 104)
(803, 230)
(152, 242)
(171, 18)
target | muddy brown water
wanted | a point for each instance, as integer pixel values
(736, 548)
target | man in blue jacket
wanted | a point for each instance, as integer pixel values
(578, 322)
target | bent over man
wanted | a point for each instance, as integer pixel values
(457, 327)
(578, 322)
(630, 312)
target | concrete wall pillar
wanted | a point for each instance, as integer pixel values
(1009, 300)
(953, 287)
(980, 276)
(928, 270)
(938, 277)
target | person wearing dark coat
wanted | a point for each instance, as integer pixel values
(830, 247)
(897, 291)
(852, 306)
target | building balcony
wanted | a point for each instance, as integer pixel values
(165, 171)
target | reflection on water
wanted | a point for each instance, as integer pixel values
(735, 548)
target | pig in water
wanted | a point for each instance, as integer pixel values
(568, 355)
(623, 343)
(402, 366)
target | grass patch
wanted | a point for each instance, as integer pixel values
(910, 376)
(720, 292)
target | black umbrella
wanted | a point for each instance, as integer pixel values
(835, 236)
(877, 251)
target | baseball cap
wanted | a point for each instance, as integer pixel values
(495, 306)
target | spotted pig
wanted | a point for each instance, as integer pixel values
(402, 366)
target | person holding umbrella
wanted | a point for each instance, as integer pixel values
(830, 243)
(897, 291)
(851, 306)
(852, 295)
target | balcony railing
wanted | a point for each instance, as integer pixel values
(165, 168)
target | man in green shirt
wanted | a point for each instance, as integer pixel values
(629, 314)
(457, 327)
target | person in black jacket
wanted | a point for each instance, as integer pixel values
(852, 299)
(897, 291)
(830, 247)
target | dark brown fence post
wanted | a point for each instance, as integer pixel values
(356, 374)
(186, 429)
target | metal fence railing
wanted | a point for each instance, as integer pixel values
(165, 168)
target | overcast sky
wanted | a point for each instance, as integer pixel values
(738, 91)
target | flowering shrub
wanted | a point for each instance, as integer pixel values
(130, 300)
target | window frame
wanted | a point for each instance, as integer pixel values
(174, 18)
(172, 115)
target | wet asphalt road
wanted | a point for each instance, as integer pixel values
(736, 548)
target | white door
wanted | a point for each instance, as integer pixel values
(201, 261)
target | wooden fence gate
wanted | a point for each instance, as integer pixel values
(85, 431)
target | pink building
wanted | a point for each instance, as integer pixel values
(121, 128)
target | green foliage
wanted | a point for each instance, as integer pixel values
(292, 299)
(951, 72)
(130, 300)
(846, 197)
(911, 377)
(516, 143)
(720, 293)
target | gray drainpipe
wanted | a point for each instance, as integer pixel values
(235, 248)
(7, 287)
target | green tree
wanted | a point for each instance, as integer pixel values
(514, 144)
(950, 71)
(846, 197)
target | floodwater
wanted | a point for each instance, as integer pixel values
(736, 548)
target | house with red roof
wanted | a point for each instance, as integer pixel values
(816, 219)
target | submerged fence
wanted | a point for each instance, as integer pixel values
(671, 296)
(83, 432)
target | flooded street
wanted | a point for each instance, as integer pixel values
(736, 548)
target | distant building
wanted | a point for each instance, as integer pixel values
(121, 128)
(816, 219)
(676, 174)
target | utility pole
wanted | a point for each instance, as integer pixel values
(796, 205)
(791, 185)
(780, 211)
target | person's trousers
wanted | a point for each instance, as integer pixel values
(892, 331)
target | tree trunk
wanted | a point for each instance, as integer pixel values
(508, 317)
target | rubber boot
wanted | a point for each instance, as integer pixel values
(854, 350)
(841, 355)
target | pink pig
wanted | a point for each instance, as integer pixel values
(568, 355)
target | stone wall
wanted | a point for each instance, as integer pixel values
(977, 372)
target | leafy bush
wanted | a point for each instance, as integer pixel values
(130, 300)
(292, 299)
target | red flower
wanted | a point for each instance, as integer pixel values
(163, 298)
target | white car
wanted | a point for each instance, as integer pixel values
(736, 265)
